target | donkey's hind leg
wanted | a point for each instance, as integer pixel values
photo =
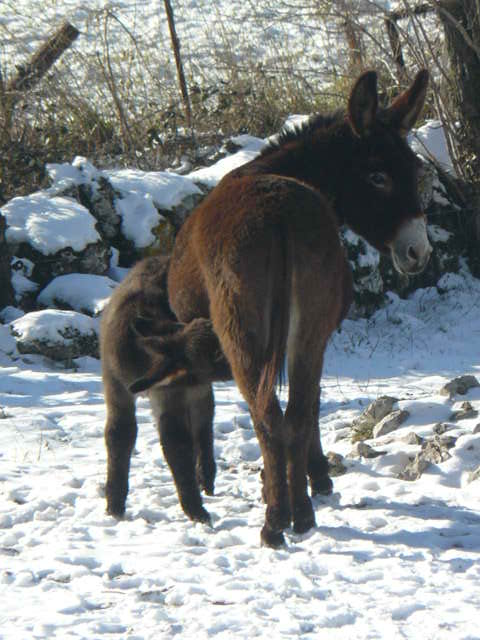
(268, 422)
(320, 481)
(171, 409)
(305, 359)
(120, 436)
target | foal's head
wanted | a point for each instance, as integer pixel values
(379, 197)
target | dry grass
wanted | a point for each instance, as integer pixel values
(117, 102)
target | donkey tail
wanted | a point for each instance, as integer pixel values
(279, 278)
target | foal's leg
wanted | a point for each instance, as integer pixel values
(120, 436)
(320, 481)
(171, 411)
(201, 409)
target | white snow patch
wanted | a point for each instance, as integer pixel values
(49, 224)
(429, 140)
(52, 326)
(80, 291)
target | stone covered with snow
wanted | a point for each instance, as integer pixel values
(78, 291)
(59, 335)
(57, 234)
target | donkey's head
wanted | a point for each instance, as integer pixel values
(379, 199)
(180, 354)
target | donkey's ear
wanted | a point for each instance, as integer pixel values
(163, 377)
(363, 103)
(405, 109)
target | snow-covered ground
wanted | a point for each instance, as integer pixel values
(388, 558)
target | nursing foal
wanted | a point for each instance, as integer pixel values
(262, 258)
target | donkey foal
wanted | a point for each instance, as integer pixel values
(144, 348)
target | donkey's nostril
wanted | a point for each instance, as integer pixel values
(412, 254)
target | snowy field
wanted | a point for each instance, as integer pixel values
(388, 559)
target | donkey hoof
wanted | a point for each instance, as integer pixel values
(116, 511)
(200, 515)
(272, 539)
(304, 523)
(322, 486)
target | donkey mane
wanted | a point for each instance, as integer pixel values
(304, 132)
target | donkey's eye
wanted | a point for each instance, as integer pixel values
(378, 179)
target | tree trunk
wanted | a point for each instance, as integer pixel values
(178, 61)
(461, 22)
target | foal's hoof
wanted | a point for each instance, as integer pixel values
(321, 486)
(200, 515)
(116, 510)
(273, 539)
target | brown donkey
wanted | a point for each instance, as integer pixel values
(261, 256)
(144, 348)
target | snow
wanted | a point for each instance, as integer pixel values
(80, 291)
(429, 140)
(388, 558)
(210, 176)
(52, 326)
(167, 190)
(49, 224)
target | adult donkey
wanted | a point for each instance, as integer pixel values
(261, 256)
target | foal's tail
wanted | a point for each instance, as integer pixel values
(279, 279)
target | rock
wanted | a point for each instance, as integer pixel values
(433, 451)
(474, 475)
(390, 423)
(437, 449)
(368, 285)
(364, 450)
(59, 335)
(477, 428)
(81, 292)
(440, 428)
(56, 234)
(414, 469)
(335, 464)
(377, 410)
(465, 412)
(413, 438)
(459, 385)
(6, 290)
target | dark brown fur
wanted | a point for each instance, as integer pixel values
(144, 348)
(261, 256)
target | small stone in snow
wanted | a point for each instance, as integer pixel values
(390, 423)
(377, 410)
(459, 385)
(474, 475)
(335, 464)
(364, 450)
(413, 438)
(465, 412)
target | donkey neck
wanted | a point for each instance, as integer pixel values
(315, 158)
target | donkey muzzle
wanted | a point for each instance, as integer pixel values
(411, 248)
